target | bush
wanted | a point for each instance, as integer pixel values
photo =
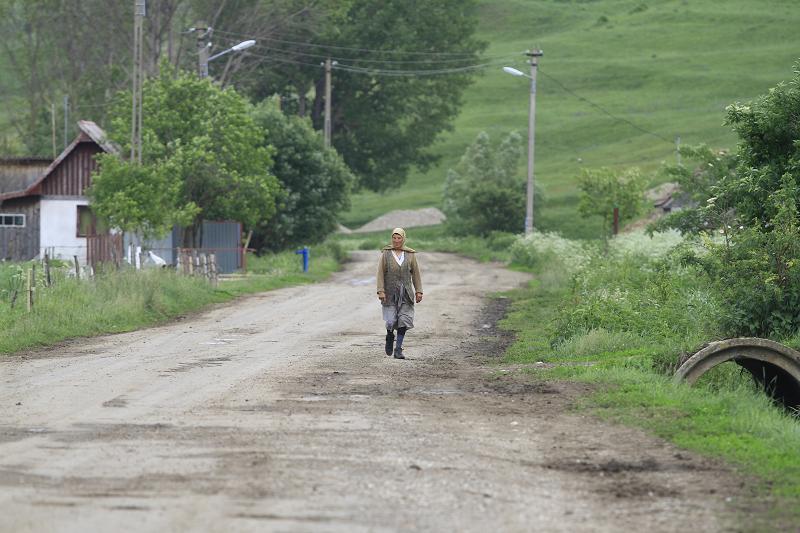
(483, 193)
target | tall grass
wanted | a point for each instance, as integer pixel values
(124, 300)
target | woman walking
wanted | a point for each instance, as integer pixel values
(397, 271)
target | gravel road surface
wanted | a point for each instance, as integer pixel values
(279, 412)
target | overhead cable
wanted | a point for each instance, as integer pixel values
(349, 48)
(602, 109)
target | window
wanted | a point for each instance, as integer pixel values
(88, 224)
(9, 220)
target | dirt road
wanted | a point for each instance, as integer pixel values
(280, 413)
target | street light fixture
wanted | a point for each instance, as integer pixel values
(203, 49)
(531, 132)
(244, 45)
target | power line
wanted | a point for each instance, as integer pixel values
(602, 109)
(349, 48)
(383, 72)
(369, 60)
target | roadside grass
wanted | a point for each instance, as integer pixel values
(126, 300)
(670, 67)
(623, 322)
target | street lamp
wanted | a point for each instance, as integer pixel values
(204, 59)
(531, 132)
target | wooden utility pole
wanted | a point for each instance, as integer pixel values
(139, 12)
(66, 118)
(53, 126)
(327, 103)
(534, 55)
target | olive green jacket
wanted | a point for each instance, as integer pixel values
(387, 262)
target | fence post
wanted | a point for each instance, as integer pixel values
(214, 273)
(77, 267)
(30, 289)
(47, 280)
(203, 265)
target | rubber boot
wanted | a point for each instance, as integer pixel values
(389, 342)
(398, 349)
(398, 353)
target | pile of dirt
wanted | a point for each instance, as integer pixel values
(404, 218)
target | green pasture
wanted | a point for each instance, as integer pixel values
(670, 67)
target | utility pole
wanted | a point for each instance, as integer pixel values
(203, 33)
(534, 55)
(53, 126)
(327, 127)
(139, 12)
(66, 118)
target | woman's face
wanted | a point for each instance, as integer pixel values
(397, 241)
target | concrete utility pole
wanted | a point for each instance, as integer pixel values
(327, 127)
(534, 55)
(139, 12)
(203, 33)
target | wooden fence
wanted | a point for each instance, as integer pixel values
(192, 262)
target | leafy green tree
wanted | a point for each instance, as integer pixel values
(756, 267)
(604, 189)
(315, 178)
(387, 112)
(769, 147)
(203, 155)
(484, 192)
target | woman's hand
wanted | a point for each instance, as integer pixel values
(382, 296)
(419, 297)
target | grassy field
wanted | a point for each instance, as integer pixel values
(670, 67)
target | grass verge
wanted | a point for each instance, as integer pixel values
(724, 417)
(126, 300)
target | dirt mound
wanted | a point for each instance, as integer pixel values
(404, 218)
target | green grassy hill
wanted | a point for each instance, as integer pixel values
(668, 66)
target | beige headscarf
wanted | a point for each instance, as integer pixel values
(402, 233)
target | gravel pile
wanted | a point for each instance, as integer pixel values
(404, 218)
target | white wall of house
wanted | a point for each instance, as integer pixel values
(59, 228)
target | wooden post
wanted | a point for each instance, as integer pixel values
(30, 290)
(47, 280)
(77, 267)
(192, 261)
(214, 273)
(616, 220)
(203, 265)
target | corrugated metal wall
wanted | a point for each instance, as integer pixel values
(20, 244)
(221, 238)
(225, 240)
(73, 175)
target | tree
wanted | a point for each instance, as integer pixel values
(769, 147)
(604, 189)
(316, 180)
(387, 111)
(203, 155)
(757, 267)
(484, 193)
